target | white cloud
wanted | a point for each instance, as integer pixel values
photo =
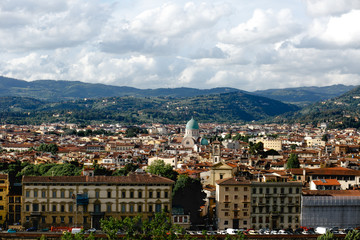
(324, 8)
(148, 44)
(265, 26)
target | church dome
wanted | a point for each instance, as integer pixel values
(204, 141)
(192, 124)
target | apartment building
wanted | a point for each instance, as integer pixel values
(233, 203)
(84, 200)
(275, 205)
(4, 189)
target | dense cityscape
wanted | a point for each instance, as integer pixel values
(219, 178)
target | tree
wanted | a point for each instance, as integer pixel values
(189, 195)
(158, 167)
(110, 226)
(325, 137)
(327, 236)
(293, 161)
(353, 235)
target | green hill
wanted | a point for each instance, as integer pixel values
(338, 112)
(303, 96)
(222, 108)
(50, 90)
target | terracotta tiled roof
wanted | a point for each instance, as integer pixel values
(327, 182)
(233, 181)
(131, 179)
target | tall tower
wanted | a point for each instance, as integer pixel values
(216, 151)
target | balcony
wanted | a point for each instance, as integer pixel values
(34, 214)
(82, 199)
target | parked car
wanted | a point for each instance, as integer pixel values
(31, 229)
(10, 230)
(91, 230)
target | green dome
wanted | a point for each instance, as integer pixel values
(192, 124)
(204, 141)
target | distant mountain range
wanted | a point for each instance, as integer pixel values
(303, 96)
(51, 90)
(23, 102)
(233, 107)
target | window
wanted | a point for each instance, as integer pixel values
(226, 188)
(62, 193)
(157, 207)
(282, 190)
(97, 194)
(166, 194)
(54, 219)
(245, 214)
(43, 219)
(235, 197)
(27, 194)
(297, 190)
(109, 194)
(245, 205)
(43, 208)
(150, 194)
(226, 205)
(71, 208)
(253, 220)
(11, 199)
(54, 208)
(62, 208)
(108, 207)
(254, 191)
(235, 206)
(267, 190)
(54, 193)
(35, 207)
(71, 193)
(150, 208)
(131, 208)
(289, 219)
(290, 190)
(275, 190)
(226, 222)
(27, 207)
(131, 194)
(221, 176)
(85, 220)
(62, 219)
(226, 214)
(140, 194)
(245, 222)
(123, 208)
(236, 189)
(139, 208)
(158, 194)
(27, 218)
(246, 189)
(267, 220)
(260, 190)
(123, 194)
(70, 219)
(245, 198)
(43, 194)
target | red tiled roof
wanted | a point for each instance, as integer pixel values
(233, 181)
(131, 179)
(327, 182)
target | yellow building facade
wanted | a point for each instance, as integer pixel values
(82, 201)
(4, 189)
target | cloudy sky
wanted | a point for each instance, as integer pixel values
(250, 45)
